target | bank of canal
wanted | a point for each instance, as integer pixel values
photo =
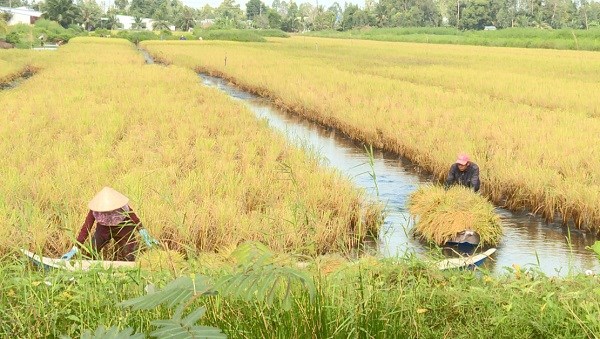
(528, 241)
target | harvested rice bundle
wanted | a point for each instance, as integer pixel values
(444, 213)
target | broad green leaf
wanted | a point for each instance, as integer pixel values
(264, 281)
(112, 333)
(595, 247)
(184, 328)
(178, 291)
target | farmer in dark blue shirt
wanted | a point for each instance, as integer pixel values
(464, 172)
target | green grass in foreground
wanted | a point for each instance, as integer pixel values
(385, 299)
(510, 37)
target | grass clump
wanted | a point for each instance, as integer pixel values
(444, 213)
(272, 33)
(231, 35)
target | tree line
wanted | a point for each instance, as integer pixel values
(291, 16)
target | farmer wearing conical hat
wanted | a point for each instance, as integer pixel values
(464, 172)
(114, 219)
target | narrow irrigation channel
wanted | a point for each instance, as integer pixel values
(528, 241)
(25, 74)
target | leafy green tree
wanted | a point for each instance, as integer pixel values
(505, 13)
(336, 9)
(274, 19)
(292, 23)
(62, 11)
(110, 20)
(144, 8)
(558, 13)
(206, 12)
(228, 13)
(353, 16)
(186, 19)
(138, 23)
(121, 6)
(348, 20)
(255, 8)
(160, 21)
(383, 11)
(89, 14)
(589, 14)
(475, 14)
(283, 9)
(323, 19)
(5, 16)
(13, 3)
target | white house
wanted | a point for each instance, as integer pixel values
(21, 15)
(127, 22)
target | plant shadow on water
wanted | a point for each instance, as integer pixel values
(528, 241)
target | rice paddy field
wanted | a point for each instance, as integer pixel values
(529, 118)
(200, 170)
(207, 178)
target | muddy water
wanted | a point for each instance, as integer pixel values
(527, 241)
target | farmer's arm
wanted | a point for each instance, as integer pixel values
(148, 239)
(451, 176)
(86, 228)
(475, 183)
(135, 220)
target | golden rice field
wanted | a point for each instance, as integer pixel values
(529, 118)
(201, 171)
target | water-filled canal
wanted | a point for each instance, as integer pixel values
(527, 240)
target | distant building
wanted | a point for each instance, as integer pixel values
(21, 15)
(489, 28)
(205, 23)
(127, 21)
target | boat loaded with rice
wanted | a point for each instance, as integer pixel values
(454, 217)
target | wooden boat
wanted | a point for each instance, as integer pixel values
(468, 262)
(75, 265)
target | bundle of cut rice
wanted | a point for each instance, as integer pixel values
(442, 214)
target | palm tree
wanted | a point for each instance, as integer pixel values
(138, 23)
(160, 21)
(160, 25)
(62, 11)
(89, 15)
(185, 19)
(111, 21)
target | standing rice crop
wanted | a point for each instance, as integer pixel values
(200, 170)
(510, 108)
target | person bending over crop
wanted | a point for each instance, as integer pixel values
(114, 219)
(464, 172)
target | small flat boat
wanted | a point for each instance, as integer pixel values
(466, 237)
(75, 265)
(468, 262)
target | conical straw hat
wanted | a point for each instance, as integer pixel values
(107, 200)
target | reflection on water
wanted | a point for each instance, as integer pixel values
(527, 240)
